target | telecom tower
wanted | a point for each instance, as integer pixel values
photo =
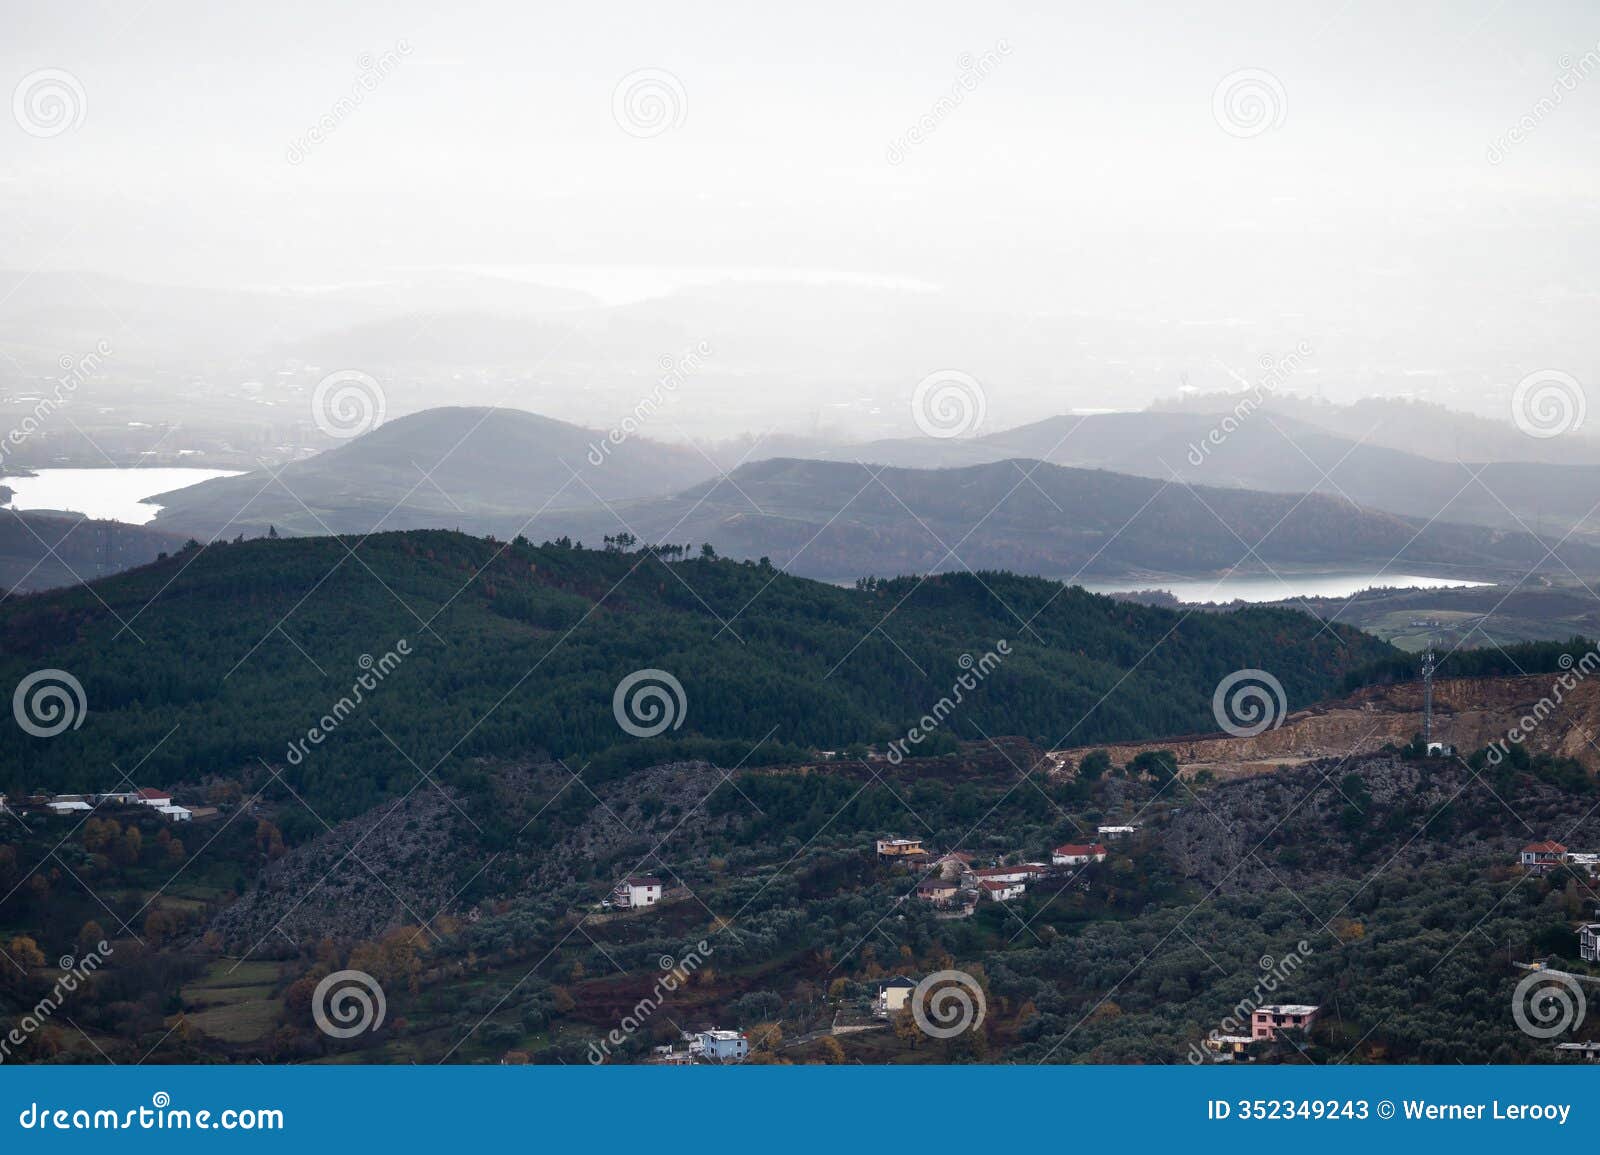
(1429, 665)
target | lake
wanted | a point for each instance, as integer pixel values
(104, 493)
(1267, 588)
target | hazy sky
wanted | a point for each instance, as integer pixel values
(1087, 170)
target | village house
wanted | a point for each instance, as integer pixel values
(1266, 1022)
(1589, 1051)
(1589, 942)
(156, 798)
(1542, 857)
(636, 892)
(1230, 1048)
(936, 890)
(1003, 874)
(1002, 891)
(116, 798)
(1078, 854)
(720, 1046)
(175, 813)
(1116, 831)
(68, 804)
(893, 994)
(899, 847)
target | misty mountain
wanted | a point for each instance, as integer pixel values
(485, 470)
(1268, 451)
(1423, 428)
(838, 521)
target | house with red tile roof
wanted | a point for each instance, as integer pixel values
(1078, 854)
(1542, 857)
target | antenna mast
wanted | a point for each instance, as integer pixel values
(1429, 665)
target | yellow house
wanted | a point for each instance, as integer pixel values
(899, 847)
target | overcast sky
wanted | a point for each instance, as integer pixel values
(1090, 163)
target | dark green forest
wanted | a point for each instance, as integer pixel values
(212, 662)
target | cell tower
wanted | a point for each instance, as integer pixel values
(1429, 665)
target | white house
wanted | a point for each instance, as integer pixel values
(149, 797)
(722, 1046)
(1002, 891)
(1077, 854)
(1117, 831)
(1003, 874)
(68, 807)
(893, 994)
(175, 813)
(638, 891)
(1589, 942)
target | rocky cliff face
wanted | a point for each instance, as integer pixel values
(1468, 713)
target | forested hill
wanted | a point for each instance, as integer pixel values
(213, 661)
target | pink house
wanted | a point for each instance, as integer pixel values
(1266, 1022)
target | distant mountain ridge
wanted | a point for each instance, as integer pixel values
(486, 470)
